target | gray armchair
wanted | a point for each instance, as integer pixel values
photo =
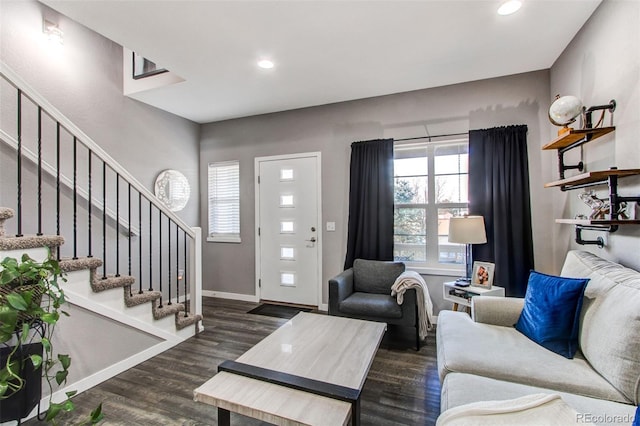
(364, 292)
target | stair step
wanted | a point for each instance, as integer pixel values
(166, 310)
(5, 213)
(30, 241)
(185, 321)
(139, 298)
(79, 264)
(101, 284)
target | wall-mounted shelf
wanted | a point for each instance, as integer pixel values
(573, 139)
(599, 222)
(580, 135)
(590, 178)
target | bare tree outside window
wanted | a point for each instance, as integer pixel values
(425, 202)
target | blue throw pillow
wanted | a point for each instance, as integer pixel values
(551, 313)
(636, 419)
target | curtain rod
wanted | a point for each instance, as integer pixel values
(429, 137)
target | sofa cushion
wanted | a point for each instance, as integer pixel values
(551, 312)
(460, 389)
(503, 353)
(371, 305)
(610, 319)
(374, 276)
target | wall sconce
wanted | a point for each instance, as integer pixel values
(53, 33)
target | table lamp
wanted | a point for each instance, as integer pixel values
(467, 230)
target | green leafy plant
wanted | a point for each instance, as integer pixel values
(31, 302)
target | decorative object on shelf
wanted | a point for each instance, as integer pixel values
(467, 230)
(564, 111)
(600, 208)
(482, 274)
(172, 188)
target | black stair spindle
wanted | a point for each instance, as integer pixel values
(150, 246)
(117, 224)
(129, 212)
(89, 206)
(169, 258)
(184, 277)
(177, 264)
(139, 242)
(160, 254)
(58, 185)
(75, 198)
(129, 236)
(19, 165)
(39, 170)
(104, 220)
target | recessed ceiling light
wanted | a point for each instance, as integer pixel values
(509, 7)
(265, 63)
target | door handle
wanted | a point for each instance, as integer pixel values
(313, 240)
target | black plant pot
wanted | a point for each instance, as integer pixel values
(20, 404)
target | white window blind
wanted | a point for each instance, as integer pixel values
(224, 202)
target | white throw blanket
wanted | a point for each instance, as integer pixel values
(412, 279)
(530, 410)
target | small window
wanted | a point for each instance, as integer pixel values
(224, 202)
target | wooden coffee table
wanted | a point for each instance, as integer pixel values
(310, 371)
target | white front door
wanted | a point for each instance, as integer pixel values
(288, 217)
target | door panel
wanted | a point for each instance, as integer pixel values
(289, 232)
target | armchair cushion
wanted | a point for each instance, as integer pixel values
(374, 276)
(367, 304)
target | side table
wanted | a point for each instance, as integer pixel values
(464, 299)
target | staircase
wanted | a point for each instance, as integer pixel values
(128, 258)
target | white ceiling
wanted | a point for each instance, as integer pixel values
(325, 51)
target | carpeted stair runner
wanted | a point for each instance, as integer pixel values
(98, 283)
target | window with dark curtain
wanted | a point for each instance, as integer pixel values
(499, 191)
(370, 230)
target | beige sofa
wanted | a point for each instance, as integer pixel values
(486, 358)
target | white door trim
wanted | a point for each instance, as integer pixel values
(318, 156)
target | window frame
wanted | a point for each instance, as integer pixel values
(223, 237)
(431, 264)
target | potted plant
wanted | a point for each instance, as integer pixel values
(31, 303)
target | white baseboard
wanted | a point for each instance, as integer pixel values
(324, 307)
(232, 296)
(100, 376)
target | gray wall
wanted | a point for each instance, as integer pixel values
(330, 129)
(602, 63)
(83, 79)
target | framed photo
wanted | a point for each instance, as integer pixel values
(482, 275)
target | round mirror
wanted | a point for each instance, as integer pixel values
(172, 188)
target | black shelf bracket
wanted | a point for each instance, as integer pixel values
(588, 124)
(616, 200)
(598, 241)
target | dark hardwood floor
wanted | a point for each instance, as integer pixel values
(402, 387)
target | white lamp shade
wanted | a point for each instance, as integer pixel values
(467, 230)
